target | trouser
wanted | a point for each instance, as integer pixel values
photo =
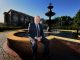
(46, 48)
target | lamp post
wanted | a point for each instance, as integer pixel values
(50, 14)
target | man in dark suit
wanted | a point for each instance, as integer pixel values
(36, 34)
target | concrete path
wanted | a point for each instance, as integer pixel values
(2, 40)
(3, 54)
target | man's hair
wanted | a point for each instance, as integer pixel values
(37, 16)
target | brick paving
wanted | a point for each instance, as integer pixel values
(2, 40)
(3, 54)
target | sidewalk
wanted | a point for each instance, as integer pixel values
(3, 54)
(2, 40)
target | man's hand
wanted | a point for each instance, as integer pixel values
(32, 40)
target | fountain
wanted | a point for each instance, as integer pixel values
(20, 43)
(50, 14)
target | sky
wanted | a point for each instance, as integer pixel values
(39, 7)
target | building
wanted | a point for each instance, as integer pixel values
(16, 19)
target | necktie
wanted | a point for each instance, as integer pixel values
(38, 31)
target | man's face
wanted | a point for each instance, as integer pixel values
(37, 20)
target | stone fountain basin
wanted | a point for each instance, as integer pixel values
(20, 43)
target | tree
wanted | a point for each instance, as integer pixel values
(66, 20)
(76, 22)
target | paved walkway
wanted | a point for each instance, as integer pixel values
(3, 55)
(2, 40)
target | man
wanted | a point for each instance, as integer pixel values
(36, 34)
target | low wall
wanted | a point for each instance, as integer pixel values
(20, 43)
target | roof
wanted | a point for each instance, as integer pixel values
(11, 10)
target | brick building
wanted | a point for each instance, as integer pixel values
(16, 19)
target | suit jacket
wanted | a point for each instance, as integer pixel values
(33, 31)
